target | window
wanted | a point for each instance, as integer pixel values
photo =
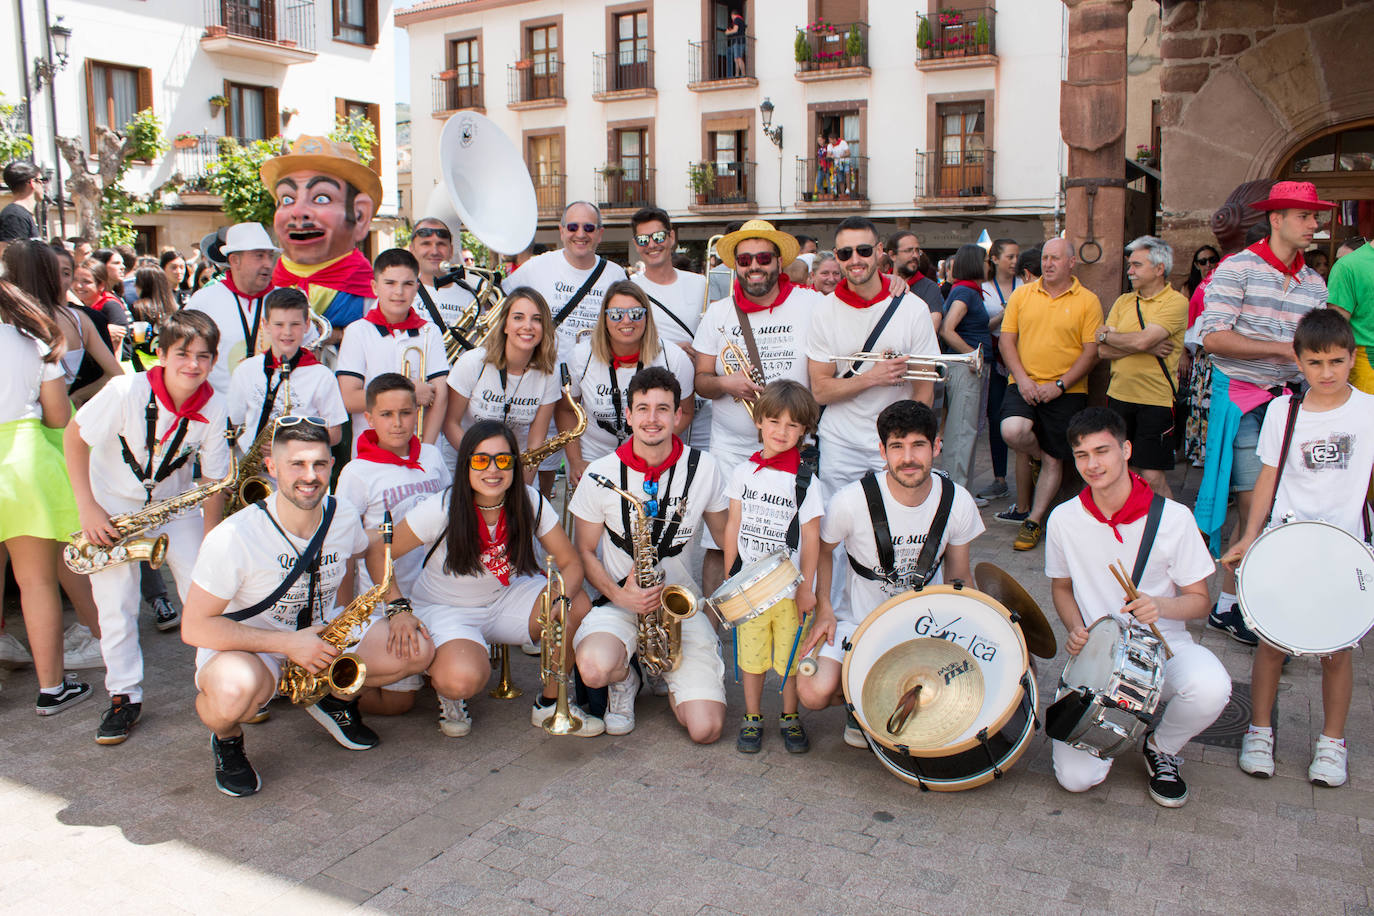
(465, 89)
(729, 150)
(370, 111)
(631, 60)
(961, 155)
(247, 113)
(355, 21)
(114, 94)
(544, 154)
(541, 44)
(630, 150)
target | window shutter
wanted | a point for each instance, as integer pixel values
(374, 114)
(334, 12)
(90, 103)
(272, 112)
(340, 109)
(145, 88)
(229, 109)
(371, 29)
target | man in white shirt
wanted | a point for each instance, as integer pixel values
(234, 304)
(432, 245)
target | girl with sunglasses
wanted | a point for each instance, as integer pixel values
(480, 582)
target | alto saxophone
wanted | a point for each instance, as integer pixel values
(345, 675)
(660, 631)
(254, 484)
(553, 650)
(85, 556)
(533, 457)
(733, 359)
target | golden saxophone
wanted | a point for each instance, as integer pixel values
(85, 556)
(253, 483)
(660, 631)
(346, 673)
(554, 606)
(733, 359)
(532, 457)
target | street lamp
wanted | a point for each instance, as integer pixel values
(771, 132)
(44, 69)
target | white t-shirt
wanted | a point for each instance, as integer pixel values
(367, 351)
(314, 393)
(684, 299)
(428, 519)
(25, 373)
(595, 503)
(1329, 463)
(780, 334)
(119, 409)
(450, 301)
(993, 302)
(375, 488)
(515, 405)
(768, 501)
(557, 281)
(231, 314)
(1079, 547)
(245, 558)
(848, 427)
(594, 388)
(847, 520)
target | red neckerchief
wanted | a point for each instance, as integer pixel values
(352, 273)
(412, 321)
(190, 408)
(1135, 507)
(626, 453)
(493, 555)
(851, 298)
(369, 449)
(620, 362)
(1262, 249)
(303, 357)
(748, 306)
(228, 282)
(789, 461)
(968, 284)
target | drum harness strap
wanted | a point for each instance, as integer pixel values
(581, 294)
(1291, 422)
(793, 536)
(664, 544)
(927, 563)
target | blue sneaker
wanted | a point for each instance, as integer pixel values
(1231, 623)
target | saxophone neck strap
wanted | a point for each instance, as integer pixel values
(171, 462)
(308, 561)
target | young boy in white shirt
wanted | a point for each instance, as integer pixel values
(391, 338)
(774, 508)
(1324, 477)
(133, 444)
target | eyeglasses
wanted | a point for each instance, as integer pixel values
(425, 232)
(745, 259)
(480, 461)
(586, 227)
(1203, 262)
(651, 491)
(847, 252)
(634, 314)
(658, 238)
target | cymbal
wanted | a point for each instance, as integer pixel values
(997, 582)
(949, 697)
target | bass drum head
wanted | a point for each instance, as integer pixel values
(1305, 587)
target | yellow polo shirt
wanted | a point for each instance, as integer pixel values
(1138, 378)
(1051, 330)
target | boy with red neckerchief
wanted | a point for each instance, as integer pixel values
(136, 443)
(1106, 524)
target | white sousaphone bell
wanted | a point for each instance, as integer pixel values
(484, 179)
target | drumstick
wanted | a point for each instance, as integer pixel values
(734, 650)
(1131, 595)
(796, 641)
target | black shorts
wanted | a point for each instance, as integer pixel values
(1050, 421)
(1151, 431)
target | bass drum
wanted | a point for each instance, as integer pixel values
(886, 655)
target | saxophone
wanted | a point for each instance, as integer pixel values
(733, 359)
(531, 458)
(85, 556)
(345, 675)
(660, 630)
(253, 483)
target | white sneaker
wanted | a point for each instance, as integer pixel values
(454, 720)
(74, 635)
(1328, 763)
(620, 705)
(12, 651)
(80, 649)
(1257, 754)
(591, 725)
(530, 648)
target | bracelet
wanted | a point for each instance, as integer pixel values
(399, 606)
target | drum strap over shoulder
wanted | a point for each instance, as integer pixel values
(882, 535)
(930, 557)
(793, 536)
(1147, 538)
(928, 562)
(1290, 422)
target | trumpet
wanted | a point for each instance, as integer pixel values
(320, 323)
(554, 605)
(407, 368)
(733, 359)
(921, 368)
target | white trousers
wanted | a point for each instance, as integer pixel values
(117, 600)
(1196, 688)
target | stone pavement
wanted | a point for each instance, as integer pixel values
(509, 820)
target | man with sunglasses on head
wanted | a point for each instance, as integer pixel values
(432, 245)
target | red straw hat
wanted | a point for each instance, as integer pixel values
(1293, 195)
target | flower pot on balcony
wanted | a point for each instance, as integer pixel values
(186, 142)
(448, 74)
(524, 65)
(701, 200)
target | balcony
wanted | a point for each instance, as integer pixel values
(954, 180)
(621, 188)
(957, 39)
(192, 158)
(455, 90)
(832, 51)
(838, 187)
(727, 186)
(628, 74)
(535, 84)
(549, 194)
(714, 63)
(276, 31)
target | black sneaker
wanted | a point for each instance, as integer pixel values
(1232, 624)
(234, 775)
(165, 616)
(793, 735)
(1012, 514)
(1167, 787)
(341, 719)
(71, 693)
(118, 720)
(750, 740)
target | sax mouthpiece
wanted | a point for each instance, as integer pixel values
(564, 377)
(597, 478)
(387, 527)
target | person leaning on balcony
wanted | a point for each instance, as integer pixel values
(735, 43)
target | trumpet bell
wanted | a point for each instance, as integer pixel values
(488, 183)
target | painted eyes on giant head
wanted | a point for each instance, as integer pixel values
(287, 200)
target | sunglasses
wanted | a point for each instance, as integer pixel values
(425, 232)
(287, 422)
(658, 238)
(745, 259)
(480, 461)
(1207, 261)
(634, 314)
(651, 491)
(586, 227)
(847, 252)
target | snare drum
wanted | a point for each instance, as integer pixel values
(755, 588)
(1001, 728)
(1307, 588)
(1123, 668)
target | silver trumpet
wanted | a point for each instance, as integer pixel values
(921, 368)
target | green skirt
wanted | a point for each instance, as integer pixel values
(35, 495)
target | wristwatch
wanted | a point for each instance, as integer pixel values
(1102, 335)
(1059, 383)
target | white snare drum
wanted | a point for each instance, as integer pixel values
(755, 588)
(1307, 588)
(1123, 667)
(1004, 722)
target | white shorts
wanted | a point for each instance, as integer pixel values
(506, 622)
(844, 629)
(272, 660)
(700, 676)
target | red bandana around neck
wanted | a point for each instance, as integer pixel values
(968, 284)
(412, 321)
(748, 306)
(1136, 506)
(303, 357)
(626, 453)
(190, 408)
(493, 555)
(851, 298)
(370, 449)
(228, 282)
(789, 461)
(352, 273)
(1262, 249)
(623, 362)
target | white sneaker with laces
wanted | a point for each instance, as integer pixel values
(1328, 763)
(12, 651)
(454, 720)
(1257, 754)
(80, 649)
(620, 705)
(591, 725)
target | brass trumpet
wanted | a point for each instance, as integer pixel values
(554, 605)
(733, 359)
(407, 368)
(921, 368)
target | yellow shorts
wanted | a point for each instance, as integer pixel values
(767, 639)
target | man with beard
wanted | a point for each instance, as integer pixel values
(234, 304)
(905, 250)
(432, 245)
(262, 589)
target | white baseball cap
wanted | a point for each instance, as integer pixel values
(247, 237)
